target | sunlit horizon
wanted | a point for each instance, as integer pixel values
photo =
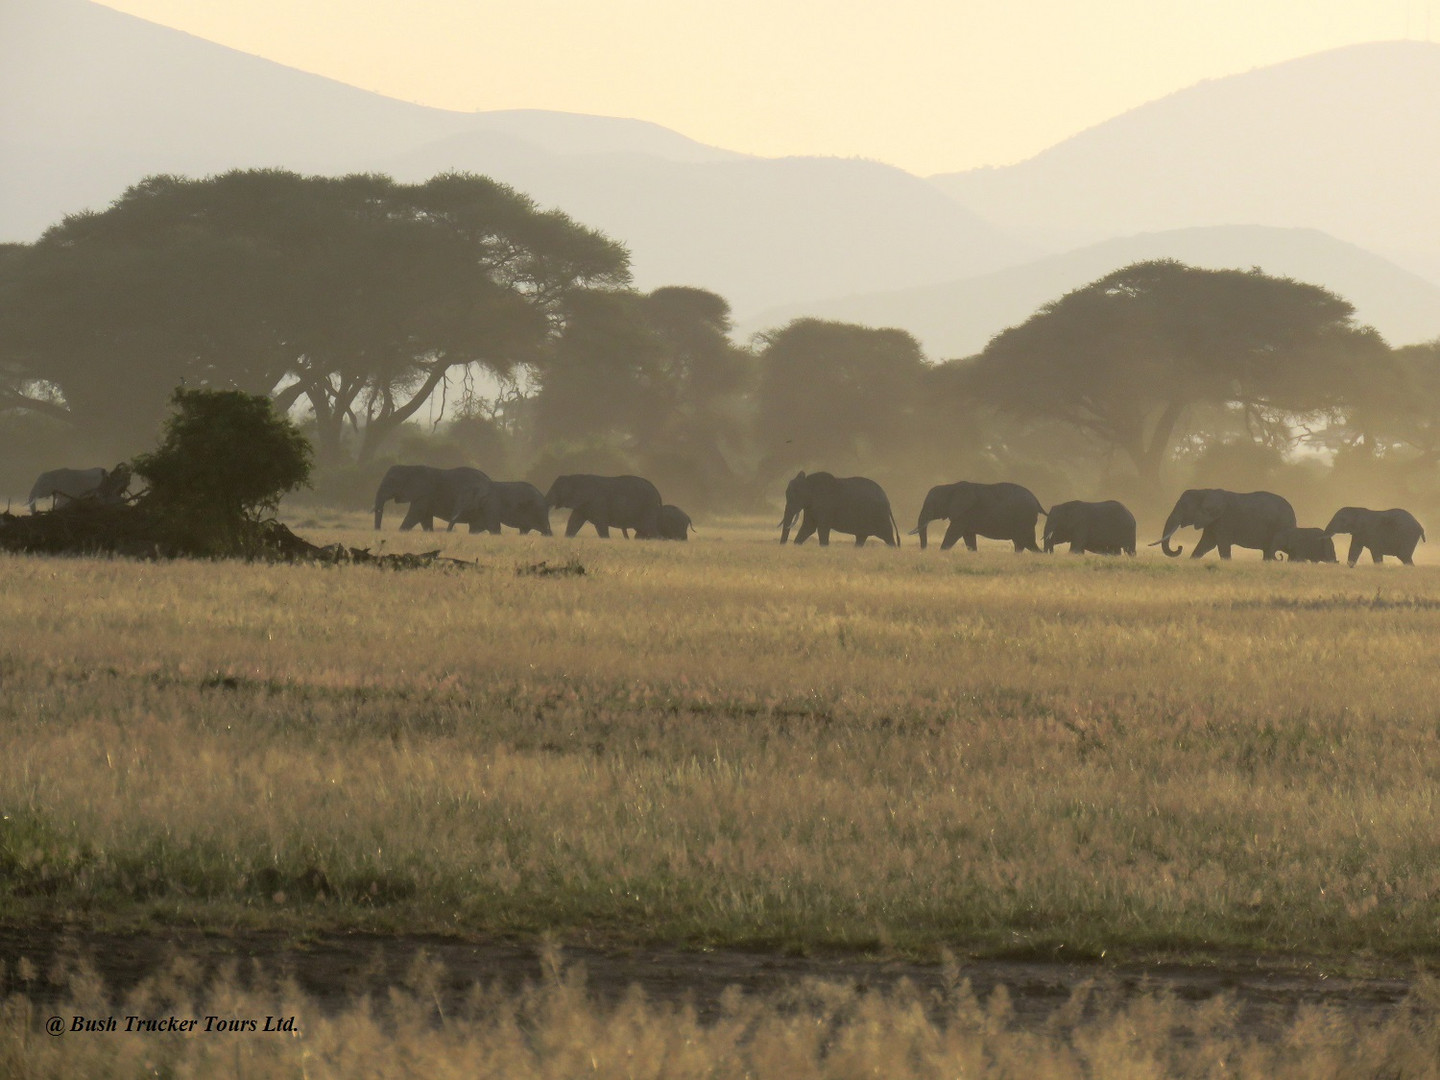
(927, 86)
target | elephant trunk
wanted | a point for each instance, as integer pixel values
(785, 523)
(922, 530)
(1173, 524)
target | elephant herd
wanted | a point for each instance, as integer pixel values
(817, 504)
(1260, 520)
(465, 495)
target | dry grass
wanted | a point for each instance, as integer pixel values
(816, 1030)
(727, 741)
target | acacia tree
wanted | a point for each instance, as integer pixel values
(357, 294)
(655, 379)
(837, 395)
(1124, 358)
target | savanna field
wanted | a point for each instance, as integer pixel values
(728, 744)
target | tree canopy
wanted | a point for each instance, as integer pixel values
(358, 294)
(1125, 357)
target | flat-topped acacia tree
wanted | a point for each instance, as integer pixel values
(1125, 357)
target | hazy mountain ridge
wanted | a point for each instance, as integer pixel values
(957, 318)
(1343, 141)
(91, 100)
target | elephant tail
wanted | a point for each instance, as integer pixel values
(894, 529)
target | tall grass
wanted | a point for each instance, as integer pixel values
(819, 1030)
(732, 742)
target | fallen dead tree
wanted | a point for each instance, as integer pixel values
(138, 530)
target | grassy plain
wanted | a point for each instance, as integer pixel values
(731, 743)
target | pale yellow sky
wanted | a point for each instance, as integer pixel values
(929, 85)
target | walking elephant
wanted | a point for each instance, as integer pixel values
(1383, 532)
(505, 502)
(674, 523)
(825, 503)
(101, 485)
(607, 502)
(1107, 528)
(996, 511)
(431, 493)
(1303, 545)
(1228, 519)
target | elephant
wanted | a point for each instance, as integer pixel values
(997, 511)
(100, 485)
(608, 502)
(431, 492)
(674, 523)
(1228, 519)
(1104, 527)
(849, 504)
(506, 502)
(1384, 532)
(1303, 545)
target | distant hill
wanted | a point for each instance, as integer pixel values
(958, 318)
(1344, 141)
(91, 100)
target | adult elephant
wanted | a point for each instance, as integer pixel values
(1304, 545)
(674, 523)
(1107, 528)
(1384, 532)
(98, 484)
(996, 511)
(505, 502)
(825, 503)
(607, 502)
(431, 493)
(1228, 519)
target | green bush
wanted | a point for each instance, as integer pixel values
(225, 459)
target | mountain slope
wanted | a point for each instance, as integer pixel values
(92, 100)
(1344, 141)
(958, 318)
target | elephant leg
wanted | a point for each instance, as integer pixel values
(576, 522)
(806, 530)
(1205, 546)
(417, 516)
(952, 534)
(1224, 550)
(970, 542)
(1376, 555)
(1077, 548)
(860, 540)
(602, 530)
(824, 532)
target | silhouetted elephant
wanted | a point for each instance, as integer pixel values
(1384, 532)
(1303, 545)
(102, 485)
(506, 502)
(855, 505)
(1227, 520)
(608, 502)
(1104, 527)
(996, 511)
(431, 492)
(674, 523)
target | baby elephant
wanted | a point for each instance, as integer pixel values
(1384, 532)
(1302, 545)
(1107, 528)
(674, 523)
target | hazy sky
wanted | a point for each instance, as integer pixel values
(929, 85)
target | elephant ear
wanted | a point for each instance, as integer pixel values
(1212, 506)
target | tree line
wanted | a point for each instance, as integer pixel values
(456, 322)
